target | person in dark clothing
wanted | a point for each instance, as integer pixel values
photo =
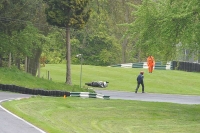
(140, 78)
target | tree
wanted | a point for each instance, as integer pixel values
(67, 14)
(54, 50)
(101, 49)
(120, 12)
(161, 25)
(13, 17)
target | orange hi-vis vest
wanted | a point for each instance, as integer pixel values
(150, 61)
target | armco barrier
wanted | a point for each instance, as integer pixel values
(118, 65)
(88, 95)
(139, 65)
(158, 65)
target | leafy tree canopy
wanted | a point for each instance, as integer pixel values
(162, 24)
(67, 13)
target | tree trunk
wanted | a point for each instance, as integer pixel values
(17, 61)
(38, 70)
(26, 65)
(125, 41)
(124, 46)
(68, 57)
(34, 61)
(1, 63)
(9, 61)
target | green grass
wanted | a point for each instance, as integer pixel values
(19, 78)
(89, 115)
(124, 79)
(77, 115)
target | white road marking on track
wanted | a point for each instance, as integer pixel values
(18, 116)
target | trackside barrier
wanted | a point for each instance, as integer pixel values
(88, 95)
(172, 65)
(158, 65)
(55, 93)
(23, 90)
(186, 66)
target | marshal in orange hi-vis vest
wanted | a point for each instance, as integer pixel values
(150, 63)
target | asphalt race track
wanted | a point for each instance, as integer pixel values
(151, 97)
(11, 123)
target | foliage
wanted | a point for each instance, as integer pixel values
(100, 50)
(12, 14)
(105, 19)
(123, 31)
(26, 39)
(21, 37)
(4, 43)
(69, 13)
(54, 49)
(161, 25)
(119, 12)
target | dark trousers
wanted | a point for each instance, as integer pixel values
(138, 85)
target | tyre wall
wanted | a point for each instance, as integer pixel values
(23, 90)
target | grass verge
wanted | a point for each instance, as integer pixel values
(16, 77)
(124, 79)
(67, 115)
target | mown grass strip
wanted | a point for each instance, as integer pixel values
(73, 114)
(124, 79)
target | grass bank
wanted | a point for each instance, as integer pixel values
(77, 115)
(124, 79)
(16, 77)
